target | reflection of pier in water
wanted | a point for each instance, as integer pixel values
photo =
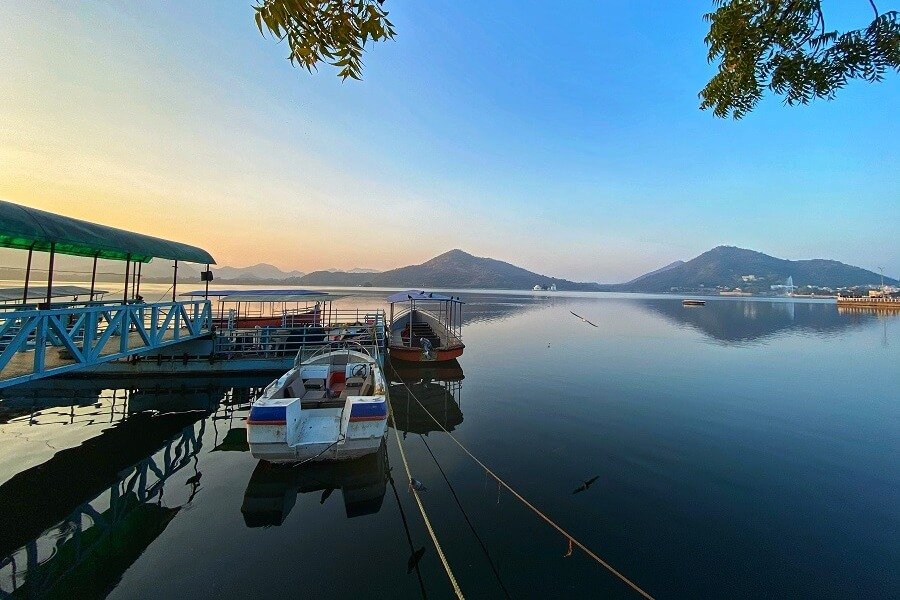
(272, 490)
(102, 502)
(437, 387)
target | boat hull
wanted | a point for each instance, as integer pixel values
(281, 453)
(407, 354)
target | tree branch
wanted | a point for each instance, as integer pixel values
(875, 8)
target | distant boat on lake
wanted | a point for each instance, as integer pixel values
(691, 302)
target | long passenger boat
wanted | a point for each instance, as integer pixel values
(425, 327)
(238, 309)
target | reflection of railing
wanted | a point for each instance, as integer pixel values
(366, 328)
(110, 517)
(87, 336)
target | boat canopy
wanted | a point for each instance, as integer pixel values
(40, 293)
(27, 228)
(422, 296)
(280, 295)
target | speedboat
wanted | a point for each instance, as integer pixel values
(692, 302)
(331, 406)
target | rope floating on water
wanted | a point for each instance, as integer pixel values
(415, 493)
(572, 540)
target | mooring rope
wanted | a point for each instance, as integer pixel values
(572, 540)
(466, 517)
(415, 493)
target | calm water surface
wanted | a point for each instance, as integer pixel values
(746, 449)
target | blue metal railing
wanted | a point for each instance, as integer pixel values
(40, 343)
(366, 327)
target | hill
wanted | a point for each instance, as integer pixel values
(646, 276)
(453, 269)
(729, 267)
(258, 272)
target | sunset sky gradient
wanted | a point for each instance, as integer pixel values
(567, 141)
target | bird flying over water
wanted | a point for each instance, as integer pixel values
(585, 320)
(585, 484)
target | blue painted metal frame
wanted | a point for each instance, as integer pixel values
(84, 332)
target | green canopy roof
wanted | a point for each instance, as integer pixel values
(23, 227)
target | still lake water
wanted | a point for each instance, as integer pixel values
(745, 449)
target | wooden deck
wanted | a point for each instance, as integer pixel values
(22, 363)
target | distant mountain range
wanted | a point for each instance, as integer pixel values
(259, 273)
(453, 269)
(730, 267)
(353, 270)
(723, 267)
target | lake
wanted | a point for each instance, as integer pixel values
(745, 449)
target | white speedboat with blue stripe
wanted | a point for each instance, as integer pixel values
(332, 406)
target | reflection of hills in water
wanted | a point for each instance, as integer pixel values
(272, 490)
(437, 387)
(75, 523)
(497, 307)
(732, 321)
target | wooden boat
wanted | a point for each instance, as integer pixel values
(420, 335)
(332, 406)
(286, 308)
(690, 302)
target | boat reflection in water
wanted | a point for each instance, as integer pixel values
(437, 386)
(272, 490)
(76, 522)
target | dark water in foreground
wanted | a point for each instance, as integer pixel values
(743, 450)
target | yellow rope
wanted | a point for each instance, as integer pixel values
(533, 508)
(415, 493)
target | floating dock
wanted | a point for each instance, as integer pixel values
(40, 336)
(877, 303)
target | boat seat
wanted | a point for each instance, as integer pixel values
(293, 391)
(355, 382)
(337, 382)
(314, 384)
(312, 395)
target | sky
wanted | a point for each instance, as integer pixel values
(565, 138)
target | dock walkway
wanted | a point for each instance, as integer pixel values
(42, 343)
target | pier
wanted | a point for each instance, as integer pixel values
(870, 302)
(42, 337)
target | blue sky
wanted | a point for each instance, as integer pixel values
(564, 138)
